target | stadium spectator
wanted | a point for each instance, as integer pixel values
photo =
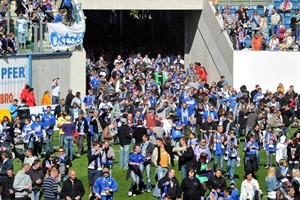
(50, 185)
(72, 188)
(249, 187)
(68, 128)
(36, 174)
(22, 183)
(285, 7)
(169, 185)
(105, 186)
(191, 186)
(257, 42)
(55, 91)
(46, 99)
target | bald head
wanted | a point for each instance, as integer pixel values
(72, 175)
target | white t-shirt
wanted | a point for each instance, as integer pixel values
(55, 89)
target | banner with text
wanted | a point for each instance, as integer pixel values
(63, 37)
(13, 76)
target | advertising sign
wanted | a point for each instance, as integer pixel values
(14, 74)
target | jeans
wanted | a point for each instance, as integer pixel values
(257, 157)
(293, 164)
(69, 140)
(61, 140)
(269, 158)
(49, 147)
(160, 172)
(79, 142)
(183, 172)
(285, 131)
(90, 141)
(230, 167)
(35, 195)
(98, 136)
(248, 128)
(124, 156)
(273, 29)
(55, 100)
(135, 182)
(297, 29)
(216, 159)
(147, 168)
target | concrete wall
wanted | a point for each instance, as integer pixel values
(141, 4)
(266, 68)
(45, 68)
(206, 43)
(69, 68)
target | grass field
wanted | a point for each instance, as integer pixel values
(80, 166)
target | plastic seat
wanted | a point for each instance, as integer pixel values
(250, 12)
(287, 26)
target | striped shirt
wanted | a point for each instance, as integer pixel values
(50, 187)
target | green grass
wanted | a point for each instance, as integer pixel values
(80, 166)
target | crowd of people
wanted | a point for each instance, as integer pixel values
(169, 114)
(275, 28)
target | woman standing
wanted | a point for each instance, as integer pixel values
(191, 187)
(68, 128)
(249, 187)
(45, 101)
(296, 182)
(271, 184)
(203, 170)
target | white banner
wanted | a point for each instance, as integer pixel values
(14, 74)
(39, 111)
(63, 37)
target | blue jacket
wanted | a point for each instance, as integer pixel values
(13, 110)
(271, 184)
(49, 120)
(102, 183)
(235, 195)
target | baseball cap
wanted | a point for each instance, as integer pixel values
(232, 182)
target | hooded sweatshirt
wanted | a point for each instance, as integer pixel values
(281, 149)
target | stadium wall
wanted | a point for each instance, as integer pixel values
(266, 68)
(207, 43)
(39, 70)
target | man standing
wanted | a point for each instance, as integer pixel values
(48, 121)
(37, 176)
(169, 185)
(72, 188)
(81, 125)
(50, 185)
(55, 91)
(147, 148)
(94, 165)
(5, 165)
(125, 139)
(105, 186)
(62, 107)
(22, 183)
(13, 109)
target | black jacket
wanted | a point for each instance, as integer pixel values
(72, 191)
(138, 134)
(124, 136)
(174, 191)
(8, 185)
(216, 183)
(69, 99)
(191, 188)
(35, 175)
(57, 110)
(187, 159)
(78, 124)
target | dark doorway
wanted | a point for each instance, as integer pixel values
(134, 30)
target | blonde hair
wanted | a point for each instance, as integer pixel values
(271, 172)
(296, 173)
(282, 161)
(68, 118)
